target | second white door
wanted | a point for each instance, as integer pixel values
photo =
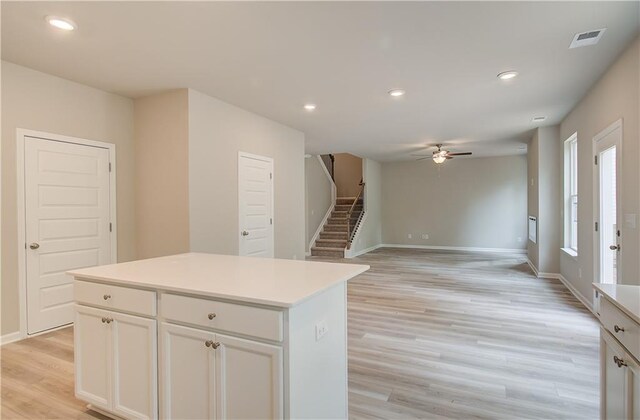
(255, 201)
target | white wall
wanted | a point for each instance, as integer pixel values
(318, 196)
(217, 132)
(38, 101)
(478, 202)
(615, 96)
(369, 233)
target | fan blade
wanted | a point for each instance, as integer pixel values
(423, 158)
(448, 157)
(459, 154)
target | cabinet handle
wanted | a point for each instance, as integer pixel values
(211, 343)
(617, 329)
(104, 320)
(618, 361)
(109, 320)
(106, 297)
(211, 315)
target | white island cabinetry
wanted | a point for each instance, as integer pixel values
(211, 336)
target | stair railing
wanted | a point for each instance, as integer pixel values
(351, 229)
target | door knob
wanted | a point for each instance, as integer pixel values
(211, 315)
(615, 247)
(34, 245)
(244, 233)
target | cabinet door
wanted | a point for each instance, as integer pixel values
(92, 357)
(633, 393)
(249, 378)
(188, 373)
(135, 385)
(616, 379)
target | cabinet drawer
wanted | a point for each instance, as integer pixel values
(119, 298)
(241, 319)
(628, 331)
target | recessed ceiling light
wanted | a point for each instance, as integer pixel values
(60, 23)
(506, 75)
(310, 107)
(539, 119)
(396, 92)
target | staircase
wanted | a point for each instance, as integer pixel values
(334, 237)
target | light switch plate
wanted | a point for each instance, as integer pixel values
(630, 220)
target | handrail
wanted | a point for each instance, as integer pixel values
(362, 184)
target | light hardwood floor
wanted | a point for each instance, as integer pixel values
(431, 335)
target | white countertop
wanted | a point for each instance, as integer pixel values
(274, 282)
(625, 297)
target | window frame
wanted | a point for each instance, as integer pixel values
(571, 198)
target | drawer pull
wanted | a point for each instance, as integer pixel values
(211, 315)
(618, 361)
(106, 297)
(617, 329)
(211, 343)
(106, 320)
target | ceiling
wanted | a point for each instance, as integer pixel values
(272, 58)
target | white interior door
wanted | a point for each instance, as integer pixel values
(255, 200)
(67, 216)
(607, 243)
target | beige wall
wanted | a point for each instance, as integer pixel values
(318, 195)
(479, 202)
(545, 198)
(369, 233)
(347, 174)
(38, 101)
(614, 96)
(217, 132)
(532, 194)
(162, 173)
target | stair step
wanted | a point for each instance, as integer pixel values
(336, 221)
(335, 228)
(346, 207)
(334, 235)
(347, 200)
(331, 243)
(318, 251)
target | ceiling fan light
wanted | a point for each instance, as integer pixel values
(439, 158)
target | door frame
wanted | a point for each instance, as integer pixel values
(21, 136)
(273, 210)
(596, 196)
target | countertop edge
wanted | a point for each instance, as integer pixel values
(176, 289)
(616, 303)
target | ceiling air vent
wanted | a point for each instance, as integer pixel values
(584, 39)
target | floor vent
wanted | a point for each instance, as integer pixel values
(584, 39)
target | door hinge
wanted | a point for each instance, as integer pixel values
(270, 175)
(596, 226)
(595, 160)
(109, 166)
(618, 233)
(270, 220)
(110, 227)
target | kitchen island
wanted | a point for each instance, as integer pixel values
(213, 336)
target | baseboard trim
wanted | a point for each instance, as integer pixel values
(566, 283)
(455, 248)
(348, 254)
(577, 294)
(10, 338)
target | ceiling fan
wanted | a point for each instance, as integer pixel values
(440, 155)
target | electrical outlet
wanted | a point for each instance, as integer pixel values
(425, 236)
(409, 236)
(313, 212)
(321, 329)
(579, 273)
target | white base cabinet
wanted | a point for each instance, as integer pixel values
(115, 359)
(207, 375)
(191, 357)
(619, 380)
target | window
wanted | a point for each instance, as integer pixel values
(571, 193)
